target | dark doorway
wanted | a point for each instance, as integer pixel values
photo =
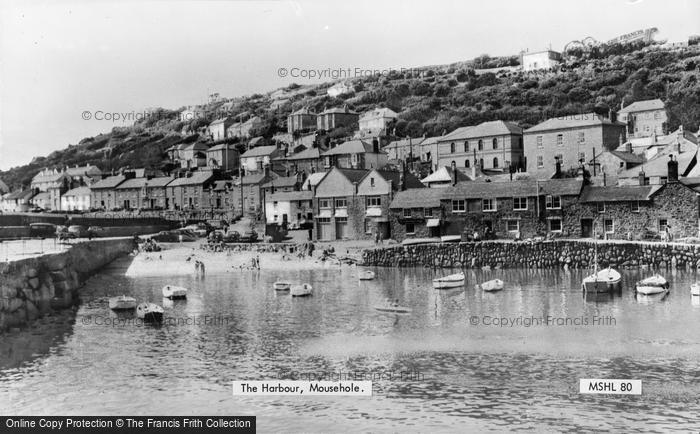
(586, 228)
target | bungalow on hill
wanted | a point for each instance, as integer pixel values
(76, 199)
(218, 129)
(490, 145)
(333, 118)
(644, 118)
(568, 140)
(223, 156)
(256, 159)
(508, 209)
(377, 122)
(301, 120)
(355, 154)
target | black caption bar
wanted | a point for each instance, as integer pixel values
(127, 424)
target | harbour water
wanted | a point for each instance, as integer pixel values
(462, 360)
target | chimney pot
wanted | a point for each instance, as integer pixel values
(453, 175)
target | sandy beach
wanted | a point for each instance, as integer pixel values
(179, 259)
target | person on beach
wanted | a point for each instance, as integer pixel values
(201, 268)
(257, 261)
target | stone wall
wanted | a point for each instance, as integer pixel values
(32, 287)
(544, 254)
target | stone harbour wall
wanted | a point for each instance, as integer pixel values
(544, 254)
(34, 286)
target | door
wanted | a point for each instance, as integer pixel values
(341, 228)
(586, 228)
(324, 228)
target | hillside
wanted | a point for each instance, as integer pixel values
(429, 101)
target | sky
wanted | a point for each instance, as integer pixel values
(61, 59)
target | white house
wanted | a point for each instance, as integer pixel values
(77, 199)
(540, 60)
(292, 207)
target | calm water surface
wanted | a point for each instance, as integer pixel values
(473, 374)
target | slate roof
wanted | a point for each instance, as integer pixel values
(404, 143)
(444, 174)
(21, 194)
(196, 178)
(354, 175)
(47, 177)
(417, 198)
(484, 129)
(379, 113)
(160, 181)
(109, 182)
(617, 193)
(306, 154)
(572, 121)
(283, 181)
(260, 151)
(626, 157)
(222, 146)
(395, 176)
(285, 196)
(351, 147)
(646, 105)
(339, 110)
(80, 191)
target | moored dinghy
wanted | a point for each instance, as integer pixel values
(655, 284)
(282, 285)
(366, 275)
(122, 303)
(603, 280)
(149, 312)
(301, 290)
(493, 285)
(174, 292)
(451, 281)
(695, 289)
(393, 307)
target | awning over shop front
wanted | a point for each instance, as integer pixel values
(374, 212)
(343, 212)
(433, 223)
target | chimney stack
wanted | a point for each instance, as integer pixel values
(453, 175)
(375, 145)
(642, 176)
(402, 176)
(557, 168)
(672, 170)
(629, 147)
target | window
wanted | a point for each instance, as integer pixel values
(488, 205)
(466, 146)
(495, 143)
(274, 205)
(634, 206)
(552, 202)
(539, 142)
(582, 157)
(459, 206)
(275, 217)
(481, 145)
(519, 203)
(581, 137)
(368, 228)
(341, 219)
(657, 115)
(324, 203)
(495, 162)
(555, 225)
(609, 226)
(663, 179)
(466, 163)
(560, 140)
(427, 212)
(540, 162)
(663, 224)
(512, 225)
(371, 181)
(559, 158)
(374, 201)
(481, 163)
(410, 228)
(452, 148)
(407, 212)
(601, 207)
(341, 203)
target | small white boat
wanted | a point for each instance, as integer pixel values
(149, 312)
(451, 281)
(367, 275)
(695, 289)
(122, 303)
(393, 307)
(655, 284)
(604, 280)
(282, 285)
(301, 290)
(174, 292)
(492, 285)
